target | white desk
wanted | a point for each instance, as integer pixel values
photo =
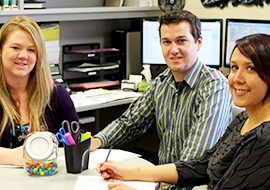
(16, 178)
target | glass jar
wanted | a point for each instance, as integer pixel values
(40, 153)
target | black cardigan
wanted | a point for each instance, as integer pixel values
(234, 162)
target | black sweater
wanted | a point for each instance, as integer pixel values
(235, 162)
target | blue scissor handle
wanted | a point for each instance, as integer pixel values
(62, 131)
(61, 136)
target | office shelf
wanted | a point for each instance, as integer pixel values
(83, 13)
(102, 64)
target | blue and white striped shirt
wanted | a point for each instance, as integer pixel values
(190, 117)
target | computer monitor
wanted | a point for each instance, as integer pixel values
(209, 54)
(150, 43)
(238, 28)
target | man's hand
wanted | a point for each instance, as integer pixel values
(95, 144)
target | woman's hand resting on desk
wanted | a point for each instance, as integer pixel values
(95, 144)
(12, 156)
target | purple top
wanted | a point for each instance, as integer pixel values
(61, 108)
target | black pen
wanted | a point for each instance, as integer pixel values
(107, 158)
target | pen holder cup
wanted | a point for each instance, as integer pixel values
(77, 156)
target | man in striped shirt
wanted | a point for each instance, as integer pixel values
(190, 102)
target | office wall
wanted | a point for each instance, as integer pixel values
(240, 12)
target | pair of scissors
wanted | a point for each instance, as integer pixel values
(61, 136)
(73, 128)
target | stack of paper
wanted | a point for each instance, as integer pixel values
(99, 96)
(100, 50)
(88, 67)
(92, 85)
(34, 4)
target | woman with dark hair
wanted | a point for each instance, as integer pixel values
(241, 157)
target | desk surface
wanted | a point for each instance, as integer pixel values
(16, 178)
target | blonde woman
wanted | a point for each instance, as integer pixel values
(29, 99)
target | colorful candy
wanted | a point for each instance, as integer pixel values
(40, 168)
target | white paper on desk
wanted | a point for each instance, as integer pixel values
(100, 96)
(82, 100)
(99, 155)
(115, 95)
(98, 183)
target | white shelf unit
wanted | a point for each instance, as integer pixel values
(82, 13)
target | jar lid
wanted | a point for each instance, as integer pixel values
(39, 146)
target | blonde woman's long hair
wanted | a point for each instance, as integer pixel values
(40, 84)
